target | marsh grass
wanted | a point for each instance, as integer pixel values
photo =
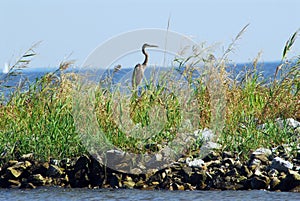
(40, 118)
(254, 101)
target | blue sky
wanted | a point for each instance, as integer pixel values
(76, 27)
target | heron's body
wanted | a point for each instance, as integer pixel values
(139, 69)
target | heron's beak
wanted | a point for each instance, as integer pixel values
(153, 46)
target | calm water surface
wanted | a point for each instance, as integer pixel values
(55, 193)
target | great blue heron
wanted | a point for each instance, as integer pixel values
(138, 72)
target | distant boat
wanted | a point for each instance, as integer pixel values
(6, 68)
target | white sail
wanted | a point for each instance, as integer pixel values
(6, 68)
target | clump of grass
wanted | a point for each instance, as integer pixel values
(255, 100)
(126, 118)
(39, 119)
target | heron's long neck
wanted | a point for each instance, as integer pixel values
(146, 57)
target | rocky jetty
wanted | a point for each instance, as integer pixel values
(269, 169)
(266, 169)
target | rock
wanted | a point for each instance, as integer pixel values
(259, 182)
(208, 175)
(293, 123)
(163, 175)
(258, 172)
(65, 162)
(207, 147)
(188, 186)
(247, 183)
(158, 157)
(241, 179)
(282, 151)
(218, 171)
(18, 168)
(46, 165)
(27, 156)
(215, 171)
(263, 158)
(54, 171)
(129, 184)
(289, 122)
(297, 188)
(197, 179)
(274, 183)
(12, 162)
(124, 167)
(223, 183)
(238, 164)
(228, 162)
(152, 147)
(27, 164)
(281, 175)
(78, 175)
(119, 160)
(291, 181)
(140, 184)
(207, 137)
(38, 180)
(297, 168)
(188, 171)
(96, 174)
(136, 171)
(281, 165)
(22, 165)
(115, 180)
(30, 185)
(39, 168)
(262, 154)
(155, 183)
(212, 156)
(15, 172)
(273, 173)
(82, 163)
(255, 164)
(227, 154)
(177, 186)
(14, 183)
(245, 171)
(213, 164)
(54, 161)
(232, 173)
(195, 163)
(206, 134)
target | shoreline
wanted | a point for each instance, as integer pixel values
(257, 119)
(265, 170)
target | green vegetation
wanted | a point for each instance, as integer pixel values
(41, 119)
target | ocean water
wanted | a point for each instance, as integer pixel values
(63, 194)
(122, 76)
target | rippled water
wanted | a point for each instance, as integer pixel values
(55, 193)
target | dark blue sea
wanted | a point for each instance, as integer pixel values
(52, 193)
(29, 75)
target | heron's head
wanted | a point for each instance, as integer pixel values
(148, 45)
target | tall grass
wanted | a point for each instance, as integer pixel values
(40, 118)
(255, 100)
